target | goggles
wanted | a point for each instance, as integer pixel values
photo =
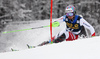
(69, 14)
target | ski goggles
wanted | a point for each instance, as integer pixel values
(69, 14)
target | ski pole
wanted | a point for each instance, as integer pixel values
(25, 29)
(55, 24)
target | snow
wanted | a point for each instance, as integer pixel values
(79, 49)
(87, 48)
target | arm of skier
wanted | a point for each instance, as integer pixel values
(57, 22)
(60, 19)
(88, 26)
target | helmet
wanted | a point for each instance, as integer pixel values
(70, 9)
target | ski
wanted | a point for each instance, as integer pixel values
(14, 49)
(30, 46)
(44, 43)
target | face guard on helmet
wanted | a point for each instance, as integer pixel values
(70, 10)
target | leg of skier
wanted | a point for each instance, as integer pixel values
(72, 37)
(63, 35)
(58, 38)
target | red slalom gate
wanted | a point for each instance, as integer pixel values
(51, 21)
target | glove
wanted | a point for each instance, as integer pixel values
(93, 34)
(55, 24)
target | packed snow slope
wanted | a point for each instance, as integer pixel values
(79, 49)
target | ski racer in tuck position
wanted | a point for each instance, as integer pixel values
(73, 26)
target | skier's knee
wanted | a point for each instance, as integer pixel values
(60, 39)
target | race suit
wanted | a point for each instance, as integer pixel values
(73, 28)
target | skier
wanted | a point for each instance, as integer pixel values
(73, 26)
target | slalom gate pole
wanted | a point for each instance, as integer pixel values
(51, 21)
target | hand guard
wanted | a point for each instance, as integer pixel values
(55, 24)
